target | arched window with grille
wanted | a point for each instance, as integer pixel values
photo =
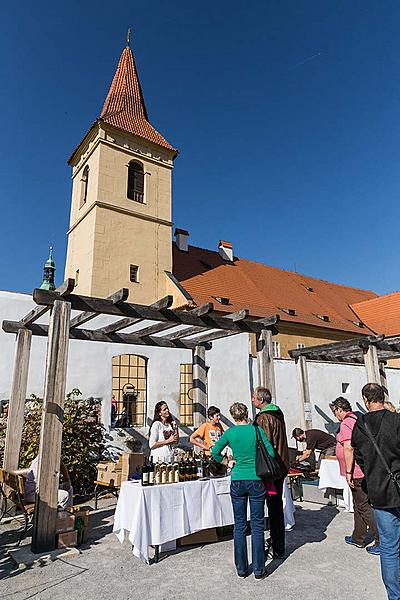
(135, 181)
(129, 391)
(84, 186)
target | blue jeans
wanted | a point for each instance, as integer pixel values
(255, 492)
(388, 522)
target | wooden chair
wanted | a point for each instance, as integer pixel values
(12, 489)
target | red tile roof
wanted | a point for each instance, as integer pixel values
(266, 290)
(382, 314)
(124, 106)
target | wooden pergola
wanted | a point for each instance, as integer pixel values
(193, 329)
(372, 351)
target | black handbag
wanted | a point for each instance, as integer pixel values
(267, 468)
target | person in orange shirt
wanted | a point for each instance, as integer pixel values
(208, 433)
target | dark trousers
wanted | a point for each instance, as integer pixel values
(363, 515)
(276, 518)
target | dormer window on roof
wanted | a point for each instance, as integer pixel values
(358, 323)
(323, 318)
(289, 311)
(221, 299)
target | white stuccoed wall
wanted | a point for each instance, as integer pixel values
(232, 374)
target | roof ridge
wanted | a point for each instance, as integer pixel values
(377, 298)
(343, 285)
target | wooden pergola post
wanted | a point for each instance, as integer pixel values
(199, 386)
(44, 529)
(372, 364)
(304, 392)
(383, 378)
(265, 362)
(16, 407)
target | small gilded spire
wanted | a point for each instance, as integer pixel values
(48, 272)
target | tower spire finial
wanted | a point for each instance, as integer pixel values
(48, 272)
(128, 38)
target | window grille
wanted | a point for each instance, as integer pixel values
(186, 394)
(129, 390)
(134, 273)
(135, 182)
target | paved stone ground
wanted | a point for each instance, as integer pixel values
(319, 566)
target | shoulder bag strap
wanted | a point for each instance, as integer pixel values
(383, 459)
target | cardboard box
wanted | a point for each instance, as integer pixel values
(200, 537)
(67, 539)
(65, 521)
(132, 462)
(110, 473)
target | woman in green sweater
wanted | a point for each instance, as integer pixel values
(245, 485)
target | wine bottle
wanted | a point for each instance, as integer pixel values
(188, 470)
(199, 466)
(145, 475)
(193, 470)
(157, 473)
(206, 467)
(151, 471)
(176, 472)
(171, 473)
(164, 473)
(182, 475)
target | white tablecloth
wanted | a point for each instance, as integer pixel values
(158, 514)
(330, 477)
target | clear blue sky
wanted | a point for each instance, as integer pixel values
(286, 115)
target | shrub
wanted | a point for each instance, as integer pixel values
(83, 438)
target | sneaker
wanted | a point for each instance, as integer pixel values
(375, 550)
(349, 540)
(241, 575)
(278, 555)
(259, 576)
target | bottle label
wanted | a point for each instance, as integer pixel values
(145, 478)
(158, 478)
(151, 477)
(177, 479)
(164, 477)
(171, 476)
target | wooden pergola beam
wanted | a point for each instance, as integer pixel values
(161, 304)
(64, 289)
(116, 298)
(347, 346)
(104, 306)
(91, 335)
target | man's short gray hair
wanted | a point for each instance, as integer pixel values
(263, 394)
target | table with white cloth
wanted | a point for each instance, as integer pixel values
(330, 477)
(154, 515)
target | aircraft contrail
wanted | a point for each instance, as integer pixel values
(303, 62)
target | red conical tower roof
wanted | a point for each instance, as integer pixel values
(124, 106)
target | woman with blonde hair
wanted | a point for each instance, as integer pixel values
(245, 486)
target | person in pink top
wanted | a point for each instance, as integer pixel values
(364, 519)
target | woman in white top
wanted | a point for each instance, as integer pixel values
(163, 434)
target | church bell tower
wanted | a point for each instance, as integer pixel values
(120, 232)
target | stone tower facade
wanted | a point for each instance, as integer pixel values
(120, 232)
